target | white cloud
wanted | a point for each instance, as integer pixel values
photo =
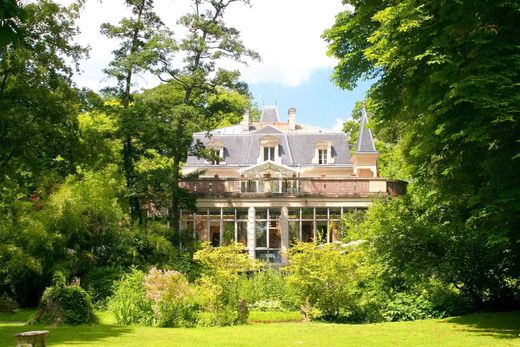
(339, 124)
(286, 33)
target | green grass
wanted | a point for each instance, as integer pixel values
(486, 329)
(274, 317)
(22, 315)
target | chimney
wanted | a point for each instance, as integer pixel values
(245, 121)
(292, 118)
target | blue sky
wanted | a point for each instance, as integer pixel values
(286, 33)
(317, 100)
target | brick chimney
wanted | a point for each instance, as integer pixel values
(292, 118)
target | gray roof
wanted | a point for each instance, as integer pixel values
(365, 140)
(269, 115)
(294, 149)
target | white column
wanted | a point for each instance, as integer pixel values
(251, 232)
(284, 225)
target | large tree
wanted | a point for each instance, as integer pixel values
(209, 40)
(38, 103)
(145, 42)
(447, 89)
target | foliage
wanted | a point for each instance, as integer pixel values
(324, 279)
(173, 300)
(266, 290)
(218, 288)
(99, 283)
(130, 304)
(446, 92)
(145, 42)
(7, 304)
(63, 304)
(37, 100)
(408, 307)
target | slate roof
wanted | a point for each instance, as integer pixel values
(296, 148)
(269, 115)
(365, 140)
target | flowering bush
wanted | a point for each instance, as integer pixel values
(173, 301)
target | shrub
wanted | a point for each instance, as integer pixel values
(62, 304)
(173, 301)
(7, 304)
(268, 306)
(129, 303)
(266, 287)
(324, 280)
(218, 288)
(99, 283)
(406, 306)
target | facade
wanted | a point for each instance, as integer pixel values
(277, 182)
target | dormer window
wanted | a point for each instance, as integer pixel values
(217, 149)
(323, 153)
(322, 156)
(269, 153)
(219, 154)
(269, 149)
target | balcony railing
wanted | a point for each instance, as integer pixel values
(361, 187)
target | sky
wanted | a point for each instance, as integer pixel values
(294, 71)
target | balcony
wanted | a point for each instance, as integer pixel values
(297, 187)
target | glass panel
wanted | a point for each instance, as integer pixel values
(229, 214)
(307, 213)
(261, 213)
(242, 213)
(274, 213)
(261, 234)
(307, 234)
(214, 213)
(334, 212)
(229, 233)
(275, 237)
(321, 232)
(294, 213)
(242, 233)
(214, 233)
(271, 256)
(321, 213)
(294, 232)
(201, 225)
(276, 186)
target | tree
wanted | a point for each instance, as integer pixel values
(446, 90)
(38, 104)
(160, 110)
(145, 42)
(10, 14)
(208, 41)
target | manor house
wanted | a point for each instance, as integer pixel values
(281, 181)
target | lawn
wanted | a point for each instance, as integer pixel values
(486, 329)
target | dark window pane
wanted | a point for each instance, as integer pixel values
(307, 234)
(294, 232)
(321, 232)
(307, 213)
(214, 233)
(275, 237)
(242, 233)
(261, 234)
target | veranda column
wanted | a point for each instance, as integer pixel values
(284, 225)
(251, 233)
